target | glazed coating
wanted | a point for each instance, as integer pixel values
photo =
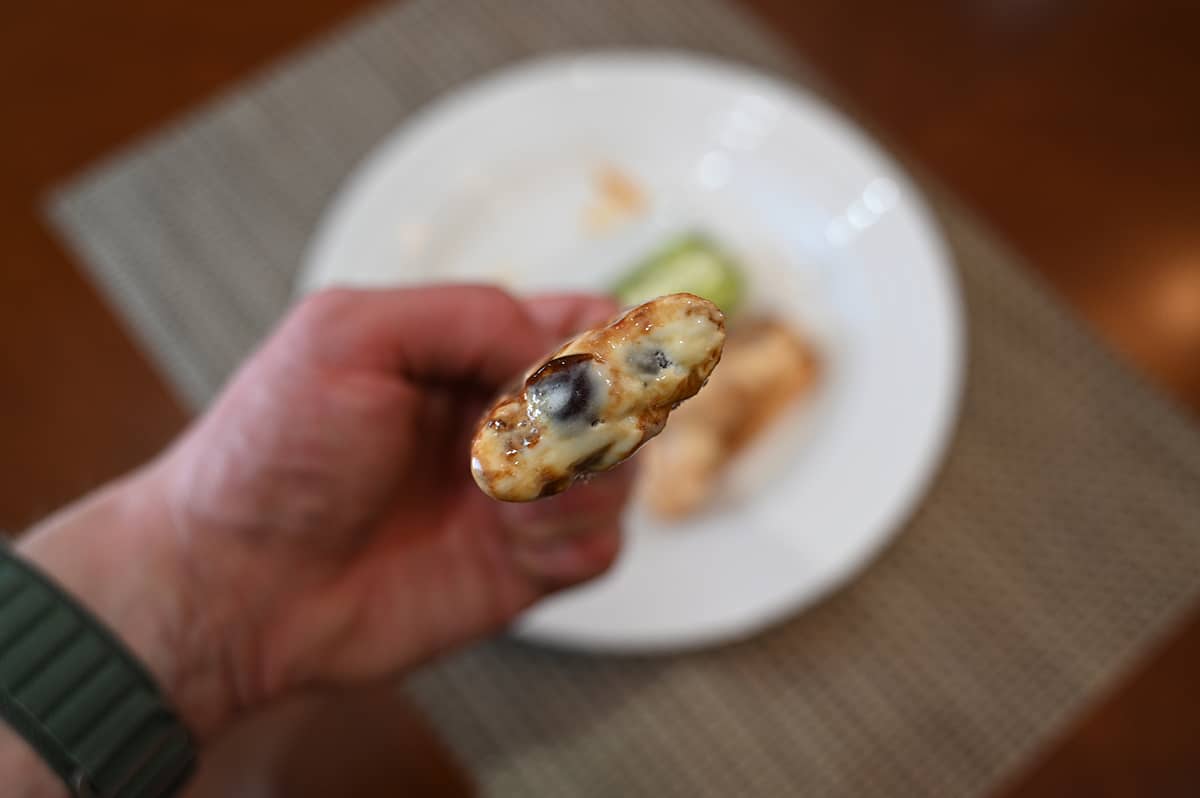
(593, 402)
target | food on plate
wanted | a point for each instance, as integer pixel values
(618, 198)
(766, 366)
(598, 398)
(691, 263)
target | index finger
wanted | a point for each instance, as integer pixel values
(561, 315)
(447, 333)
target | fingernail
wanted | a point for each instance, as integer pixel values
(569, 560)
(544, 520)
(552, 561)
(556, 528)
(599, 316)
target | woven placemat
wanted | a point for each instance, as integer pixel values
(1061, 538)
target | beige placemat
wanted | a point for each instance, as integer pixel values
(1062, 537)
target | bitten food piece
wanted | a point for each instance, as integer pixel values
(597, 399)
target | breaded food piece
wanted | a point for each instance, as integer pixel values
(766, 366)
(597, 399)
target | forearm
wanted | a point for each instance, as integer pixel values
(114, 552)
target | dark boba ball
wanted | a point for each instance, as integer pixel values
(563, 390)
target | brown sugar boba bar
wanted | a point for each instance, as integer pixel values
(593, 402)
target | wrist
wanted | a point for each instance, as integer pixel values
(115, 551)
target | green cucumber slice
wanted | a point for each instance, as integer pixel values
(692, 263)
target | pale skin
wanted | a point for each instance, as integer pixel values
(319, 524)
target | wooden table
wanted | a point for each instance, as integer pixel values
(1072, 127)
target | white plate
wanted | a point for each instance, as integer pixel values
(491, 183)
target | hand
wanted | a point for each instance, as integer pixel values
(319, 524)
